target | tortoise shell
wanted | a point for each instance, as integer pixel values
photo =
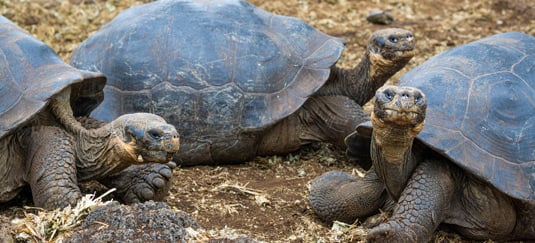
(481, 109)
(215, 69)
(31, 73)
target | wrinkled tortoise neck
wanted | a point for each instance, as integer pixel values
(353, 83)
(392, 156)
(361, 82)
(96, 149)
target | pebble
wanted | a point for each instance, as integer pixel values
(380, 17)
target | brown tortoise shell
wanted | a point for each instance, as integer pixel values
(481, 109)
(31, 73)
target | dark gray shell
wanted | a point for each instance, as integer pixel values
(214, 69)
(31, 73)
(481, 109)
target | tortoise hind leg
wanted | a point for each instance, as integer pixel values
(51, 168)
(340, 196)
(321, 119)
(358, 148)
(140, 183)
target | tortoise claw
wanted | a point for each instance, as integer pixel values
(140, 183)
(391, 232)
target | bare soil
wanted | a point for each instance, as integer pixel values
(267, 198)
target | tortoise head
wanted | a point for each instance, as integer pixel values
(398, 117)
(388, 51)
(148, 138)
(392, 44)
(402, 107)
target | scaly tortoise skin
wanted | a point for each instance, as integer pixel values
(472, 165)
(44, 146)
(236, 80)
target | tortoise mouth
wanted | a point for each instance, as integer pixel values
(143, 151)
(160, 157)
(399, 54)
(400, 117)
(406, 53)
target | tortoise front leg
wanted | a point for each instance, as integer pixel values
(51, 168)
(421, 206)
(140, 183)
(340, 196)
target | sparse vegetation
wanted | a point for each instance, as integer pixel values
(40, 225)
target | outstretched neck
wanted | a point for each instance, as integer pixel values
(353, 83)
(99, 153)
(393, 157)
(96, 149)
(361, 82)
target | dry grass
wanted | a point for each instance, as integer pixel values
(63, 24)
(48, 226)
(42, 226)
(260, 198)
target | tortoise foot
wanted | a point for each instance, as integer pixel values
(391, 232)
(58, 197)
(140, 183)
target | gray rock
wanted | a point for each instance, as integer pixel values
(380, 17)
(140, 222)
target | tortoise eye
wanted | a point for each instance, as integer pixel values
(155, 133)
(393, 39)
(388, 95)
(380, 41)
(418, 99)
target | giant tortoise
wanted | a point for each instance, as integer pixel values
(43, 145)
(472, 165)
(236, 80)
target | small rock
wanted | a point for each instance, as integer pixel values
(144, 222)
(380, 17)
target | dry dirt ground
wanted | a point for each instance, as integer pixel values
(267, 198)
